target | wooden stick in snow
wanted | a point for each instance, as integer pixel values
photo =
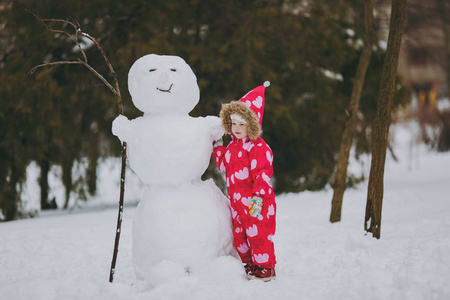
(114, 89)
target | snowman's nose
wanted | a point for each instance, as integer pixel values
(164, 77)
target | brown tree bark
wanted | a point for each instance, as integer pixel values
(93, 156)
(67, 166)
(44, 165)
(372, 222)
(340, 183)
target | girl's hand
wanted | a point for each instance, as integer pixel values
(255, 207)
(218, 143)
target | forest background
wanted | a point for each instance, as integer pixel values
(62, 115)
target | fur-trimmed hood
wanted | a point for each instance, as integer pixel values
(250, 108)
(237, 107)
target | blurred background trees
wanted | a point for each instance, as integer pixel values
(425, 67)
(60, 116)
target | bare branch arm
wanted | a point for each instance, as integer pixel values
(51, 29)
(111, 69)
(45, 64)
(78, 32)
(115, 90)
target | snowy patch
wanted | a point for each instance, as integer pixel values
(53, 255)
(333, 75)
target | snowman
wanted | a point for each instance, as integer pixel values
(180, 219)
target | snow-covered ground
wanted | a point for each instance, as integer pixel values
(67, 255)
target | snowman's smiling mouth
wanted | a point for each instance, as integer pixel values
(165, 91)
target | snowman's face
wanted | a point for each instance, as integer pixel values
(163, 84)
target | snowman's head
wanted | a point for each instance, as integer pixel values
(163, 84)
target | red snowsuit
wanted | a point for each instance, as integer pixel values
(248, 167)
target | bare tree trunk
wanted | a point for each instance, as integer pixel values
(93, 160)
(44, 165)
(383, 120)
(67, 166)
(340, 183)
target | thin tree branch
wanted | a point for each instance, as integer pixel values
(46, 63)
(113, 90)
(77, 62)
(78, 32)
(108, 63)
(51, 29)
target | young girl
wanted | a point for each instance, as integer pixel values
(247, 161)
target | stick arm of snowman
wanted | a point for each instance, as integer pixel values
(120, 122)
(114, 88)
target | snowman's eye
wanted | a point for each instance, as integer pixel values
(173, 70)
(152, 70)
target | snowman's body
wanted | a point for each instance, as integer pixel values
(173, 149)
(181, 218)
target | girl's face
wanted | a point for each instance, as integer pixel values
(239, 129)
